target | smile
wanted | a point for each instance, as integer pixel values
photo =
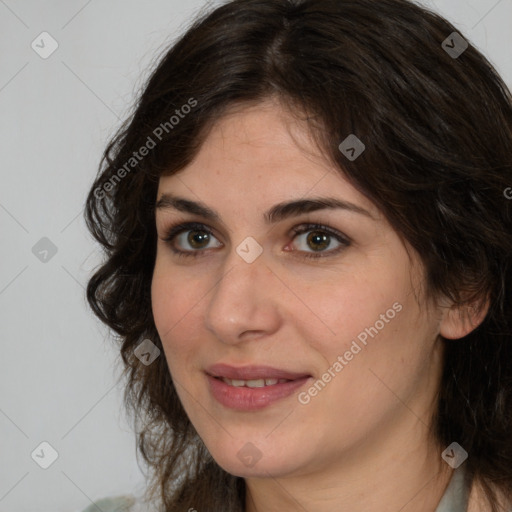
(255, 383)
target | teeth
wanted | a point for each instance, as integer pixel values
(237, 383)
(255, 383)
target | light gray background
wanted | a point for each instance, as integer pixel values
(58, 369)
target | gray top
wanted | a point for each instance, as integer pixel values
(127, 503)
(455, 499)
(456, 496)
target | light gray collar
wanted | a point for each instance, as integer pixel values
(456, 496)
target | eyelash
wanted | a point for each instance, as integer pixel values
(174, 231)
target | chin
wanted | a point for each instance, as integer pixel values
(249, 462)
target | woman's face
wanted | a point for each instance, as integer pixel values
(347, 329)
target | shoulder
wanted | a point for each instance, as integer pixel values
(127, 503)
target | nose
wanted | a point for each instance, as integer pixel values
(245, 302)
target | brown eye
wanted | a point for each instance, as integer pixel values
(319, 239)
(194, 235)
(197, 238)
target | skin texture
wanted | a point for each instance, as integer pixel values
(363, 442)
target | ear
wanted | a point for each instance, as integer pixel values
(459, 320)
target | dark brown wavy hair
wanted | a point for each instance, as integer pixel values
(438, 164)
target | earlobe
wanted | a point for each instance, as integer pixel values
(459, 321)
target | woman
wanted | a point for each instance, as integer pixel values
(308, 265)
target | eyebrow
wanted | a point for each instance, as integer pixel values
(277, 213)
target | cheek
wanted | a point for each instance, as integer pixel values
(385, 345)
(175, 291)
(368, 363)
(372, 321)
(356, 305)
(174, 302)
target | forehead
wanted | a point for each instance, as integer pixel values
(260, 155)
(265, 136)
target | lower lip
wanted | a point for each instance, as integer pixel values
(250, 399)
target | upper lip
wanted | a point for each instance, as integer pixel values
(252, 372)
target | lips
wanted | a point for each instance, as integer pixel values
(250, 388)
(252, 372)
